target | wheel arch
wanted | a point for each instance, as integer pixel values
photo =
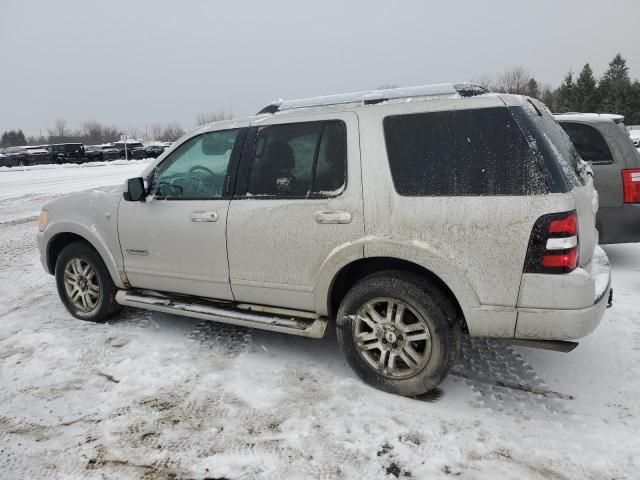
(356, 270)
(65, 236)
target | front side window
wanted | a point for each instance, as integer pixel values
(197, 169)
(461, 153)
(299, 160)
(590, 144)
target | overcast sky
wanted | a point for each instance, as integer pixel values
(135, 63)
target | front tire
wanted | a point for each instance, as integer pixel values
(398, 332)
(84, 283)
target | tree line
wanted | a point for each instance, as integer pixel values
(94, 133)
(613, 92)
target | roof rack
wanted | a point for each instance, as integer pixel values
(377, 96)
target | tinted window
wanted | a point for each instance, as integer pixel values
(299, 160)
(331, 166)
(196, 169)
(461, 152)
(591, 146)
(552, 143)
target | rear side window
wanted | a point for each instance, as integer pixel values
(590, 144)
(550, 142)
(299, 160)
(461, 152)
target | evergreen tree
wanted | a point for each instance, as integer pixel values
(615, 89)
(633, 117)
(13, 138)
(532, 88)
(565, 100)
(20, 138)
(548, 99)
(586, 91)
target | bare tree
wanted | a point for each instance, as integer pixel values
(60, 127)
(515, 80)
(172, 132)
(111, 134)
(156, 131)
(204, 118)
(486, 81)
(92, 132)
(133, 132)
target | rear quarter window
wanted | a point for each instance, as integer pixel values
(461, 153)
(590, 144)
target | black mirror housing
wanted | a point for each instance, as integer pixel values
(134, 190)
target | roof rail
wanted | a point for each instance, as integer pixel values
(377, 96)
(614, 117)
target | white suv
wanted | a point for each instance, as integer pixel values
(409, 217)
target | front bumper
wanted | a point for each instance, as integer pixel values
(574, 304)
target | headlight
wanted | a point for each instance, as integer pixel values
(43, 221)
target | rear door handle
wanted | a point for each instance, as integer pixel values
(204, 216)
(325, 216)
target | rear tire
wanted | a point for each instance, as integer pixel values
(398, 332)
(84, 283)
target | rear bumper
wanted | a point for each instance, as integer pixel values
(574, 303)
(619, 224)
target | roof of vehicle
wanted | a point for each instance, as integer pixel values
(358, 100)
(378, 96)
(590, 117)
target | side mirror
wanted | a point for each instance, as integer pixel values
(134, 190)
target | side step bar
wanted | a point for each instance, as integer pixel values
(216, 312)
(563, 346)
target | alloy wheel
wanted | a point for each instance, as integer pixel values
(81, 284)
(392, 337)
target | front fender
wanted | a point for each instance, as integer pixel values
(92, 236)
(92, 215)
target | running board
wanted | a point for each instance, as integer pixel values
(292, 324)
(563, 346)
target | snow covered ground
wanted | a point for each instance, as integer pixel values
(152, 395)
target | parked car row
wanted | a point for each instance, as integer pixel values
(78, 153)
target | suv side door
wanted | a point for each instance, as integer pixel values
(298, 199)
(176, 240)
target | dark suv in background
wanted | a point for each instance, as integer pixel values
(135, 150)
(101, 153)
(603, 141)
(66, 153)
(154, 151)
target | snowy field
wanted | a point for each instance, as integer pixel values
(156, 396)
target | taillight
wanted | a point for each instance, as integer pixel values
(554, 245)
(631, 185)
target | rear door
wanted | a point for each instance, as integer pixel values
(299, 198)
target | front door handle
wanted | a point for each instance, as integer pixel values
(326, 216)
(204, 216)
